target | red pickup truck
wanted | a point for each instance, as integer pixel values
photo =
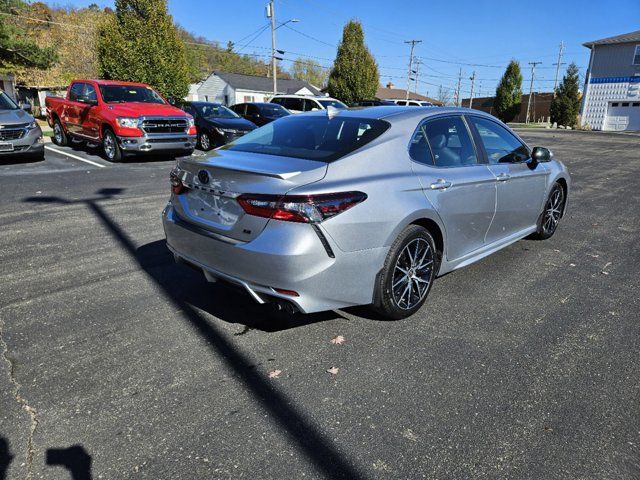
(124, 117)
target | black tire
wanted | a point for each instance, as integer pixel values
(204, 141)
(551, 213)
(110, 147)
(59, 135)
(389, 302)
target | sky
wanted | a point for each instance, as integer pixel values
(478, 36)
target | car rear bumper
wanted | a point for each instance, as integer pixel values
(286, 255)
(157, 143)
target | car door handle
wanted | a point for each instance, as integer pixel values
(503, 177)
(441, 184)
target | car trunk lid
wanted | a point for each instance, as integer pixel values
(215, 182)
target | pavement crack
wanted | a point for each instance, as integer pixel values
(24, 404)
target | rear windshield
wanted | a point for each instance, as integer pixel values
(214, 110)
(129, 93)
(332, 103)
(310, 137)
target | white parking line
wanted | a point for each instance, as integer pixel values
(62, 152)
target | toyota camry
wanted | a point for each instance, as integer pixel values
(337, 208)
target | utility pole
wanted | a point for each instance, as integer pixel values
(271, 14)
(458, 102)
(473, 82)
(417, 70)
(413, 44)
(555, 82)
(533, 74)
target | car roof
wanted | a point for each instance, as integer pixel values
(111, 82)
(204, 103)
(399, 112)
(313, 97)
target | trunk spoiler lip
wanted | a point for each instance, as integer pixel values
(224, 162)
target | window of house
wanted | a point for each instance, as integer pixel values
(636, 56)
(636, 104)
(625, 104)
(614, 104)
(249, 98)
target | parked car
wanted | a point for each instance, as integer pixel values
(306, 103)
(413, 103)
(371, 103)
(368, 206)
(124, 117)
(20, 134)
(216, 124)
(260, 113)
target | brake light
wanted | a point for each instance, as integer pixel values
(177, 186)
(300, 208)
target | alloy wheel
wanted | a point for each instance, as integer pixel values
(109, 146)
(552, 211)
(57, 132)
(204, 141)
(412, 274)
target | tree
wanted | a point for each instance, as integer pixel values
(140, 43)
(444, 96)
(309, 71)
(509, 93)
(74, 33)
(17, 48)
(565, 106)
(354, 75)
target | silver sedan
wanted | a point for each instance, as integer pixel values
(338, 208)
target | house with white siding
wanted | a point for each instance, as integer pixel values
(231, 88)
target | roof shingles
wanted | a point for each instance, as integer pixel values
(264, 84)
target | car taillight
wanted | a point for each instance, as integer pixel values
(300, 208)
(177, 186)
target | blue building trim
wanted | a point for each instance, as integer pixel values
(615, 80)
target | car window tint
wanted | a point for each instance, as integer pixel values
(314, 138)
(252, 110)
(500, 144)
(278, 101)
(419, 149)
(294, 104)
(76, 91)
(309, 105)
(450, 142)
(90, 92)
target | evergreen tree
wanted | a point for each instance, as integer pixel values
(354, 75)
(509, 93)
(566, 105)
(17, 48)
(140, 43)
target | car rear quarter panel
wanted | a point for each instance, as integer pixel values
(395, 199)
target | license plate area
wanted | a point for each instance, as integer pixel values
(210, 208)
(6, 147)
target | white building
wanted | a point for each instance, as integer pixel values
(232, 88)
(611, 98)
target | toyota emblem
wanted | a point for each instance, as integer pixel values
(203, 176)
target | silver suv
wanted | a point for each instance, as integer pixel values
(337, 208)
(20, 134)
(306, 103)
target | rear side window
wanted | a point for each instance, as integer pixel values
(449, 142)
(278, 101)
(294, 104)
(312, 138)
(76, 91)
(501, 146)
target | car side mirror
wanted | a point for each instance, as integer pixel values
(541, 155)
(26, 107)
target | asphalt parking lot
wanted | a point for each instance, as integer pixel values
(120, 364)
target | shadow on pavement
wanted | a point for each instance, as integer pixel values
(305, 436)
(5, 458)
(75, 459)
(14, 159)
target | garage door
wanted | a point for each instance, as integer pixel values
(623, 116)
